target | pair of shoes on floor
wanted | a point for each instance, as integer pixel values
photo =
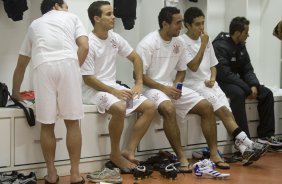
(17, 178)
(205, 169)
(106, 175)
(272, 141)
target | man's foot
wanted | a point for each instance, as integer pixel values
(122, 162)
(130, 157)
(185, 166)
(221, 164)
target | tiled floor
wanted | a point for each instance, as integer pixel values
(268, 170)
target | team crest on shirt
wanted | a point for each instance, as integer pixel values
(176, 49)
(114, 43)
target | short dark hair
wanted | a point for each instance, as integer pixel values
(191, 13)
(166, 14)
(95, 10)
(238, 24)
(48, 5)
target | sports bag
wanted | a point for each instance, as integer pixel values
(4, 93)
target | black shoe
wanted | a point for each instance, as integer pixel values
(141, 172)
(168, 171)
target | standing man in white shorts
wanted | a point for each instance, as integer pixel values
(201, 75)
(163, 54)
(51, 42)
(100, 87)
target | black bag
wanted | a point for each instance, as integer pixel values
(4, 93)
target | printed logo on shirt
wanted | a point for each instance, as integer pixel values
(233, 59)
(114, 43)
(176, 49)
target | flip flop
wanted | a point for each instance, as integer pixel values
(182, 168)
(79, 182)
(47, 182)
(222, 165)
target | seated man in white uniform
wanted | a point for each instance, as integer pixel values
(201, 75)
(100, 87)
(163, 53)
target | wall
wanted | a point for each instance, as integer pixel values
(264, 49)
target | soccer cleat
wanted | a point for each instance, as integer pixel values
(205, 169)
(168, 171)
(106, 175)
(141, 172)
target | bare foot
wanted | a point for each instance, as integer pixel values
(129, 156)
(185, 166)
(219, 162)
(122, 162)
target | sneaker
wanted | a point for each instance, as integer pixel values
(26, 179)
(272, 141)
(106, 175)
(205, 169)
(250, 155)
(8, 177)
(262, 147)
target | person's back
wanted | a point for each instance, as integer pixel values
(52, 37)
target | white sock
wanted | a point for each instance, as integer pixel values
(242, 148)
(243, 138)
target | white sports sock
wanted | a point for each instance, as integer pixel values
(242, 148)
(243, 138)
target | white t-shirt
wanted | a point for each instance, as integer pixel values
(101, 58)
(52, 37)
(161, 59)
(209, 60)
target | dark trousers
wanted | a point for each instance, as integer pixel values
(265, 109)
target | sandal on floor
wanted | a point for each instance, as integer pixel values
(222, 165)
(79, 182)
(183, 168)
(47, 182)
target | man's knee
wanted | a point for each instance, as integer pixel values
(118, 109)
(167, 108)
(203, 108)
(148, 107)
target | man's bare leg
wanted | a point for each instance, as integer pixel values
(147, 111)
(73, 141)
(48, 146)
(167, 110)
(208, 124)
(116, 125)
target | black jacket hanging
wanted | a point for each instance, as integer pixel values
(126, 10)
(15, 8)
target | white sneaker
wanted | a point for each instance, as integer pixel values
(205, 169)
(106, 175)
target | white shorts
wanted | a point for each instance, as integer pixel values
(215, 96)
(183, 105)
(57, 87)
(105, 100)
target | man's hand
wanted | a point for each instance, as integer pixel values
(209, 83)
(205, 38)
(123, 94)
(172, 92)
(136, 90)
(254, 93)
